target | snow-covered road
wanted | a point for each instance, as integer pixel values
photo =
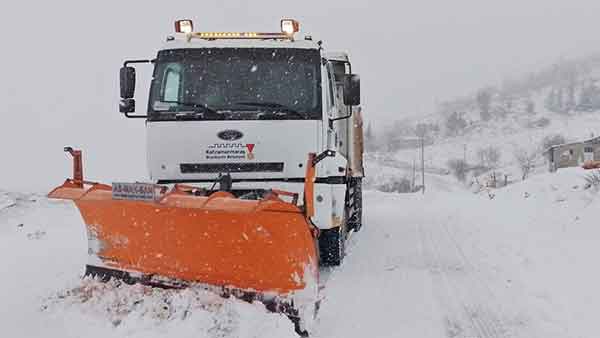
(456, 264)
(446, 264)
(417, 278)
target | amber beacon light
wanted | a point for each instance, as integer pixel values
(184, 26)
(290, 26)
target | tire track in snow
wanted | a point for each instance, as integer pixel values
(459, 315)
(473, 298)
(467, 301)
(492, 297)
(441, 287)
(520, 319)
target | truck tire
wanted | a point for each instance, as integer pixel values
(355, 204)
(332, 246)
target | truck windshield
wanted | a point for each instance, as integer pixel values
(236, 83)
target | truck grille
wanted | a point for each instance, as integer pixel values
(196, 168)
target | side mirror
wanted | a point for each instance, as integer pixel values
(127, 106)
(127, 80)
(127, 83)
(352, 90)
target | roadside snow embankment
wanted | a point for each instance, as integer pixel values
(543, 234)
(457, 264)
(43, 251)
(115, 309)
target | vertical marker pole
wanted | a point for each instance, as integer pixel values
(423, 163)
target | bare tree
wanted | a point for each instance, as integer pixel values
(455, 124)
(484, 101)
(421, 130)
(560, 102)
(397, 184)
(526, 161)
(506, 105)
(571, 102)
(370, 139)
(551, 101)
(489, 157)
(459, 168)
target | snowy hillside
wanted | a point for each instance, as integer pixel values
(510, 138)
(513, 119)
(446, 264)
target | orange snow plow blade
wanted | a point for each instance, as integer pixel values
(190, 235)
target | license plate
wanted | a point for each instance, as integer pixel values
(134, 191)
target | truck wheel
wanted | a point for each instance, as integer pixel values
(332, 246)
(355, 204)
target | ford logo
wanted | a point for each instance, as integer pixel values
(230, 135)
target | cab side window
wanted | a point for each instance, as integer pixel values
(171, 83)
(331, 95)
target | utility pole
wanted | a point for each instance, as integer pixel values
(414, 175)
(423, 163)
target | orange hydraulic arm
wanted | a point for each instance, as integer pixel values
(77, 166)
(73, 188)
(309, 186)
(309, 180)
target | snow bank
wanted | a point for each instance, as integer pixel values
(43, 251)
(535, 246)
(383, 172)
(118, 310)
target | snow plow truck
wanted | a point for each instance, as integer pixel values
(255, 156)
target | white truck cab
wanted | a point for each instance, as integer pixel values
(251, 106)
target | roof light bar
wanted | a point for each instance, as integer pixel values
(288, 28)
(238, 35)
(232, 35)
(184, 26)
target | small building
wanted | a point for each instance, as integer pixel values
(573, 154)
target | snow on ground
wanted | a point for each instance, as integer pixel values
(114, 309)
(385, 170)
(43, 252)
(464, 265)
(449, 263)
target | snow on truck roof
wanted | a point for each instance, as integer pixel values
(181, 42)
(337, 56)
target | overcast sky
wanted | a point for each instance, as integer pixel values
(60, 62)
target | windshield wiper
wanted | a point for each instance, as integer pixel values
(198, 108)
(278, 107)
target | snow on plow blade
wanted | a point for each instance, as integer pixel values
(264, 246)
